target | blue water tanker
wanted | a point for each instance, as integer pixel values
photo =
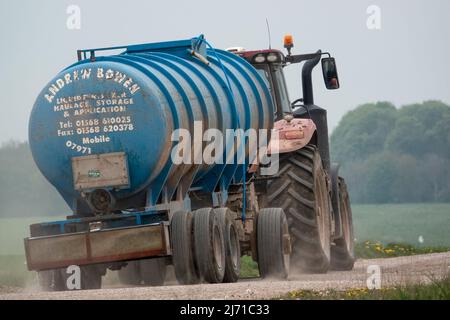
(128, 105)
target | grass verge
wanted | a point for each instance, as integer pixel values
(437, 289)
(372, 250)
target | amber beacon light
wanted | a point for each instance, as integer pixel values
(288, 42)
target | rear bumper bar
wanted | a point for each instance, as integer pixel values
(108, 245)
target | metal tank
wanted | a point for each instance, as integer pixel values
(100, 131)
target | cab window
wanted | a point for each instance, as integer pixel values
(263, 70)
(282, 89)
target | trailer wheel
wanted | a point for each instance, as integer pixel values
(301, 190)
(273, 243)
(209, 245)
(342, 252)
(153, 271)
(181, 228)
(232, 246)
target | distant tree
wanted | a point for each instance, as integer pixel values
(408, 136)
(381, 175)
(421, 128)
(390, 155)
(435, 174)
(407, 185)
(363, 131)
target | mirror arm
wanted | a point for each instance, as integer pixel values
(297, 58)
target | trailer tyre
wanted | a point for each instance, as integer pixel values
(209, 245)
(273, 243)
(302, 190)
(342, 252)
(232, 246)
(182, 247)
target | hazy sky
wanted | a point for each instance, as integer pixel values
(405, 61)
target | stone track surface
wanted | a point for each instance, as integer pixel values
(394, 271)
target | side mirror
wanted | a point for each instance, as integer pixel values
(330, 76)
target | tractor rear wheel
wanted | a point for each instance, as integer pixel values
(273, 243)
(302, 190)
(342, 252)
(232, 247)
(209, 245)
(181, 228)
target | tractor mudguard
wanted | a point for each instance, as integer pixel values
(288, 136)
(291, 135)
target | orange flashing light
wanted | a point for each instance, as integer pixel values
(288, 41)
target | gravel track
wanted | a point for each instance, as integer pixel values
(394, 271)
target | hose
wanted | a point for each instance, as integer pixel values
(200, 39)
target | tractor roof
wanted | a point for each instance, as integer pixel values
(249, 55)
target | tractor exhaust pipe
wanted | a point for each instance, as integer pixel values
(318, 115)
(308, 96)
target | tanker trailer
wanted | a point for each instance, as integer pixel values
(106, 133)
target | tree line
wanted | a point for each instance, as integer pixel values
(391, 155)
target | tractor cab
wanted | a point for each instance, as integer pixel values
(270, 64)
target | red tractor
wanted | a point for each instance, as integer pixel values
(308, 186)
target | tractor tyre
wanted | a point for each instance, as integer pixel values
(273, 243)
(302, 190)
(209, 245)
(232, 246)
(342, 252)
(181, 228)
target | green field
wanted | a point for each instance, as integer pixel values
(402, 223)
